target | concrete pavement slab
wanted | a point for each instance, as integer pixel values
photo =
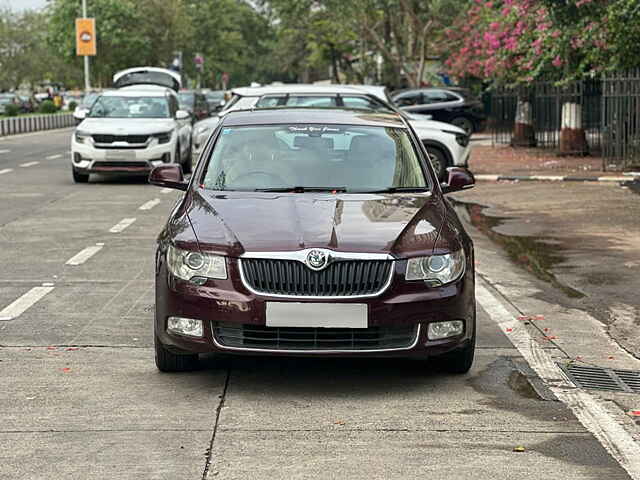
(113, 455)
(438, 454)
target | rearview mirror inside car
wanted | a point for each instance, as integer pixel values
(459, 179)
(169, 176)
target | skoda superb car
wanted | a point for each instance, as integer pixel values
(314, 232)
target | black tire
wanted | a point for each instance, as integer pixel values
(167, 361)
(439, 162)
(459, 361)
(464, 123)
(79, 177)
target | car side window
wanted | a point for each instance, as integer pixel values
(438, 96)
(360, 102)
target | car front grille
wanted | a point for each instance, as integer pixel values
(257, 337)
(346, 278)
(115, 165)
(120, 138)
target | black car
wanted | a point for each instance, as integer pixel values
(215, 99)
(451, 105)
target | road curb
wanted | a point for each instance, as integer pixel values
(549, 178)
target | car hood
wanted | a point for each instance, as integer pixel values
(435, 125)
(127, 126)
(232, 223)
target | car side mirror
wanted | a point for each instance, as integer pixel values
(80, 113)
(169, 176)
(182, 115)
(459, 179)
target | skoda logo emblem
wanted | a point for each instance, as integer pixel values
(317, 259)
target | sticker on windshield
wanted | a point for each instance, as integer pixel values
(314, 129)
(226, 131)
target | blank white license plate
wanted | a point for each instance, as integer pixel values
(121, 155)
(323, 315)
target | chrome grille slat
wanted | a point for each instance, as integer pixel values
(344, 278)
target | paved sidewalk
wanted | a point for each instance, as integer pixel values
(518, 163)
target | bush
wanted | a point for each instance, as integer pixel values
(48, 107)
(11, 110)
(72, 106)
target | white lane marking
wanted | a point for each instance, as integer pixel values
(5, 151)
(587, 409)
(120, 226)
(84, 255)
(19, 306)
(29, 164)
(6, 170)
(53, 157)
(613, 179)
(150, 204)
(166, 190)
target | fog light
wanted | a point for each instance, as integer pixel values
(185, 326)
(440, 330)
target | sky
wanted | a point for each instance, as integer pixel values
(19, 5)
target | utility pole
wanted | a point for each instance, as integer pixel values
(87, 78)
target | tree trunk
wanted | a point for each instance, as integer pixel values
(573, 139)
(524, 134)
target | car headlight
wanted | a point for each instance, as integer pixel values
(437, 269)
(461, 138)
(81, 136)
(164, 137)
(186, 264)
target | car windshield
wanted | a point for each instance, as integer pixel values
(130, 107)
(186, 99)
(299, 157)
(215, 96)
(89, 98)
(6, 98)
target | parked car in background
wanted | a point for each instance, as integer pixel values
(84, 106)
(447, 145)
(450, 105)
(195, 103)
(133, 128)
(68, 97)
(28, 103)
(314, 232)
(9, 99)
(215, 99)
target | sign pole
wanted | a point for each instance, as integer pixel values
(87, 74)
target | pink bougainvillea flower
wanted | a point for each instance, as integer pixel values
(557, 62)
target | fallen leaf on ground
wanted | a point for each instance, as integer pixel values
(72, 349)
(66, 370)
(539, 317)
(509, 329)
(339, 422)
(635, 413)
(518, 449)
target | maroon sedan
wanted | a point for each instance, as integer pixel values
(314, 233)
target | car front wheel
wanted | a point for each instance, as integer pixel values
(80, 177)
(439, 162)
(167, 361)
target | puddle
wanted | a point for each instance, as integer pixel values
(537, 255)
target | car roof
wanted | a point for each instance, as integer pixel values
(299, 88)
(329, 116)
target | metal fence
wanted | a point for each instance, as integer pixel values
(599, 117)
(33, 123)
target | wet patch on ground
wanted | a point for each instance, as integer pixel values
(538, 255)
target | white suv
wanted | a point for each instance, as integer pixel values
(133, 128)
(446, 144)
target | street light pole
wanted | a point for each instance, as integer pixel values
(87, 80)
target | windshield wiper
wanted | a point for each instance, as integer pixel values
(394, 190)
(303, 189)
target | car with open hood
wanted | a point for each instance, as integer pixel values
(314, 232)
(134, 127)
(446, 144)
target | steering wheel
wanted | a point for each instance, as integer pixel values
(279, 181)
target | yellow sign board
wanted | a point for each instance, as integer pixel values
(85, 36)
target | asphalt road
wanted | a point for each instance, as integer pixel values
(80, 396)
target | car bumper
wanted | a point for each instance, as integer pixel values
(89, 159)
(229, 304)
